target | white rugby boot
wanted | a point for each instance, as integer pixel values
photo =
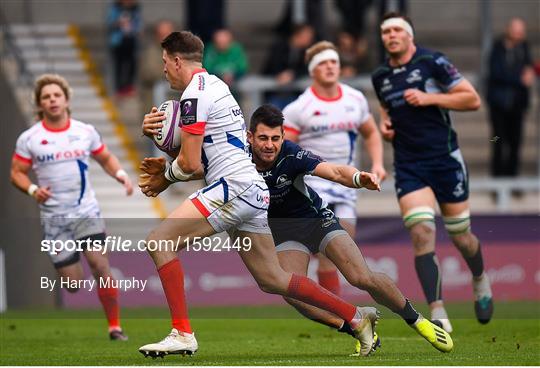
(175, 343)
(364, 328)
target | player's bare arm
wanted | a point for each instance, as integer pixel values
(111, 165)
(187, 166)
(189, 158)
(462, 97)
(19, 178)
(385, 125)
(347, 175)
(152, 122)
(374, 147)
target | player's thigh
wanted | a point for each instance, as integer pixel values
(262, 262)
(423, 197)
(97, 259)
(73, 271)
(294, 261)
(454, 209)
(346, 255)
(325, 265)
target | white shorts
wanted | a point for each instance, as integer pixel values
(344, 211)
(235, 203)
(75, 225)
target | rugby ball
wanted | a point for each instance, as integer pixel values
(168, 137)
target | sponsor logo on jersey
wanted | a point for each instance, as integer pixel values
(319, 113)
(202, 83)
(64, 155)
(414, 76)
(236, 113)
(188, 108)
(349, 109)
(399, 70)
(73, 138)
(44, 142)
(328, 218)
(387, 86)
(263, 198)
(338, 126)
(283, 181)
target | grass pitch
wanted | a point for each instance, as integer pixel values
(264, 336)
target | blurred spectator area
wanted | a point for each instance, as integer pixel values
(454, 28)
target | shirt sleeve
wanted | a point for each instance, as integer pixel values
(364, 109)
(22, 149)
(306, 161)
(445, 72)
(292, 119)
(96, 143)
(195, 109)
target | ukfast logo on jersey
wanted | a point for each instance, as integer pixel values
(414, 76)
(337, 126)
(64, 155)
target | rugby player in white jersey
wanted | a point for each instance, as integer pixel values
(57, 149)
(235, 200)
(326, 120)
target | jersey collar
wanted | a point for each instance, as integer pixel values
(198, 70)
(55, 130)
(340, 94)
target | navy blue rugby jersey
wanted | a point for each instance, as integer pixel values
(420, 132)
(290, 197)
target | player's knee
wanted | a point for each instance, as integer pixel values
(270, 283)
(72, 290)
(99, 267)
(421, 224)
(458, 226)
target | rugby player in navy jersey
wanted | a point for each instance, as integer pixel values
(302, 224)
(416, 88)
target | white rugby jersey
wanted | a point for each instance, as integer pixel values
(328, 128)
(208, 107)
(60, 160)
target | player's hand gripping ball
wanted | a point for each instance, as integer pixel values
(167, 138)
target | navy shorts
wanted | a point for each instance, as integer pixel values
(310, 235)
(446, 176)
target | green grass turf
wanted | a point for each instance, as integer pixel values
(264, 336)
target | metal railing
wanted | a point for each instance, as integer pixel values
(253, 88)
